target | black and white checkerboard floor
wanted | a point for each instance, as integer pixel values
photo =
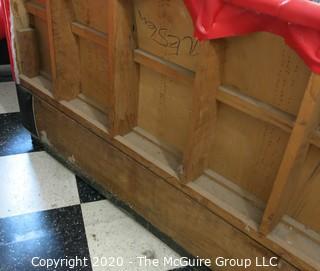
(49, 213)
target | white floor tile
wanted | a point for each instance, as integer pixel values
(111, 233)
(34, 182)
(8, 98)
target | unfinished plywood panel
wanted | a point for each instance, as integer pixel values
(89, 13)
(262, 66)
(91, 31)
(28, 52)
(164, 107)
(94, 69)
(247, 151)
(41, 29)
(31, 16)
(164, 28)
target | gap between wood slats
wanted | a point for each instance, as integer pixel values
(37, 11)
(161, 154)
(164, 67)
(260, 110)
(230, 197)
(41, 87)
(90, 34)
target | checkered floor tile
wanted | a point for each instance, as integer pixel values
(51, 219)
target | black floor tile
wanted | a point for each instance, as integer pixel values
(4, 54)
(4, 79)
(14, 138)
(5, 73)
(54, 234)
(86, 192)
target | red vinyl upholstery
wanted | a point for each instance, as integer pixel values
(297, 21)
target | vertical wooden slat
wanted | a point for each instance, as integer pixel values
(51, 41)
(123, 75)
(21, 21)
(28, 53)
(204, 110)
(64, 50)
(307, 120)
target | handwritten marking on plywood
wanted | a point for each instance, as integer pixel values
(164, 28)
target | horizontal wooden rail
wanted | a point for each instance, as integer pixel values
(36, 10)
(256, 108)
(261, 111)
(89, 33)
(164, 67)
